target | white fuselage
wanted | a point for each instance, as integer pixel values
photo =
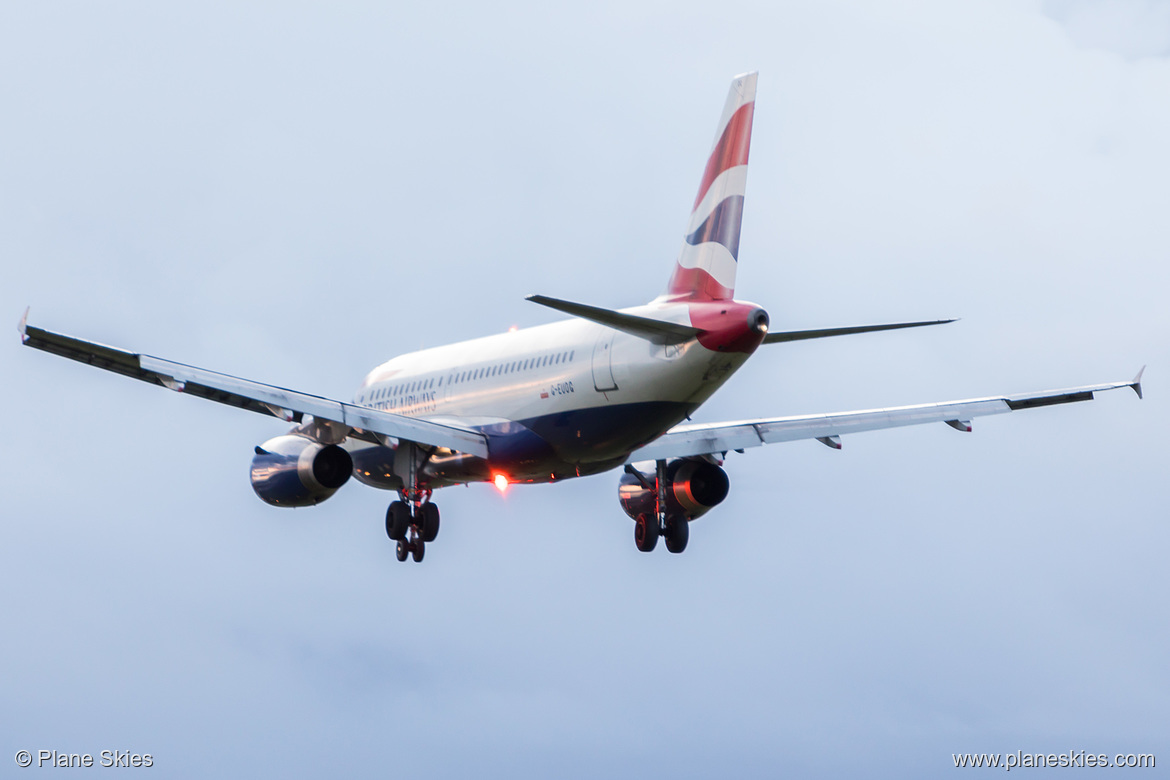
(589, 393)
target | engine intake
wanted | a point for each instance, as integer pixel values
(295, 471)
(693, 487)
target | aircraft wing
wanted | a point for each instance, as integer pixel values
(288, 405)
(689, 440)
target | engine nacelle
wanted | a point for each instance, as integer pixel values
(295, 471)
(693, 487)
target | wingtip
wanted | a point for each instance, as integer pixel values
(23, 326)
(1136, 384)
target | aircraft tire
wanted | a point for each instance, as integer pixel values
(429, 521)
(402, 551)
(417, 550)
(646, 533)
(678, 532)
(397, 520)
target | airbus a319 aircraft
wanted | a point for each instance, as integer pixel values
(601, 390)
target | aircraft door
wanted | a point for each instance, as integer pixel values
(603, 362)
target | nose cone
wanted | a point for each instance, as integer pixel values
(730, 326)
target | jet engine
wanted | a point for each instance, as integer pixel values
(693, 487)
(296, 471)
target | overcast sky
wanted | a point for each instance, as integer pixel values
(295, 193)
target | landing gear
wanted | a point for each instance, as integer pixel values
(428, 522)
(412, 546)
(673, 525)
(397, 521)
(678, 531)
(412, 523)
(412, 520)
(412, 529)
(646, 533)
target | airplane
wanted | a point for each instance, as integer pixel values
(602, 390)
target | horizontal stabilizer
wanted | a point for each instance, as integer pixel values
(799, 335)
(656, 331)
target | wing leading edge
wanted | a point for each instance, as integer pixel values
(690, 440)
(289, 405)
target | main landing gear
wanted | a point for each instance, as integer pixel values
(412, 520)
(412, 523)
(674, 527)
(675, 530)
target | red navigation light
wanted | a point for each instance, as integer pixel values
(501, 482)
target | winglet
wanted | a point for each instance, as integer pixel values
(1136, 384)
(23, 326)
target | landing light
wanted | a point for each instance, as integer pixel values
(501, 482)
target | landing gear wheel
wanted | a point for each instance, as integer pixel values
(646, 533)
(402, 551)
(397, 521)
(678, 531)
(417, 550)
(428, 521)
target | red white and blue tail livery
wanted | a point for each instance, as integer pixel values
(604, 389)
(707, 261)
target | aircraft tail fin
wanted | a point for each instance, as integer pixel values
(706, 265)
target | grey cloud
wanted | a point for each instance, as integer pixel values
(1135, 29)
